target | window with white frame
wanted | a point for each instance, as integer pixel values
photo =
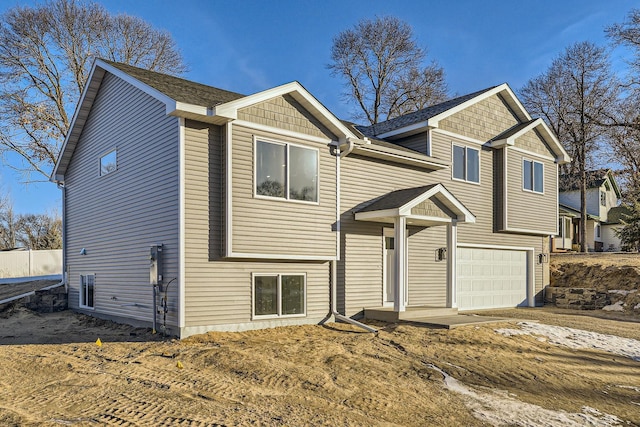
(598, 230)
(466, 163)
(286, 171)
(603, 198)
(109, 162)
(532, 176)
(279, 295)
(87, 290)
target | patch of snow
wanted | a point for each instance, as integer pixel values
(614, 307)
(630, 387)
(498, 408)
(622, 292)
(637, 306)
(578, 339)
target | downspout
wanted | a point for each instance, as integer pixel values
(64, 233)
(335, 150)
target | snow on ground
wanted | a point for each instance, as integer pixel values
(579, 339)
(499, 408)
(614, 307)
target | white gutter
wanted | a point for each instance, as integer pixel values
(64, 232)
(335, 150)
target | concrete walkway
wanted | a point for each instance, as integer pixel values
(457, 320)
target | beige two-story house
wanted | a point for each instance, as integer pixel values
(221, 211)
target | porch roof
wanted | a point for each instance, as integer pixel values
(423, 206)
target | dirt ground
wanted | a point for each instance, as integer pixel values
(53, 373)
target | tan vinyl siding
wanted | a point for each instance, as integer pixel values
(529, 210)
(360, 275)
(118, 216)
(286, 113)
(482, 120)
(427, 277)
(218, 292)
(414, 142)
(281, 227)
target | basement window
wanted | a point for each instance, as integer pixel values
(279, 295)
(87, 290)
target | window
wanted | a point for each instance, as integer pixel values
(87, 290)
(466, 163)
(108, 163)
(279, 295)
(597, 230)
(532, 176)
(286, 171)
(603, 198)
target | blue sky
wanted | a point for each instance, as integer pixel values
(248, 46)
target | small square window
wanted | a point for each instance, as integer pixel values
(109, 163)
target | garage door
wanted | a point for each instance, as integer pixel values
(491, 278)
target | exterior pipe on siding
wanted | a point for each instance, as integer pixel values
(334, 302)
(335, 150)
(64, 234)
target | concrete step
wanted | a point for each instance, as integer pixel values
(386, 314)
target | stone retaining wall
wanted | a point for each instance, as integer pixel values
(47, 301)
(576, 298)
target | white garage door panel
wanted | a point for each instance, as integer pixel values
(491, 278)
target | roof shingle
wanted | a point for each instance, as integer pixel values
(178, 89)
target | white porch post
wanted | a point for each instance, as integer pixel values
(452, 244)
(400, 229)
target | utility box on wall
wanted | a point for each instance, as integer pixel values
(155, 265)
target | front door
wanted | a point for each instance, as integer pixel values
(389, 267)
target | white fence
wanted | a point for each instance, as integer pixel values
(30, 263)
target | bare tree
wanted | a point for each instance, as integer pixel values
(45, 56)
(383, 68)
(627, 34)
(576, 96)
(8, 232)
(624, 146)
(41, 231)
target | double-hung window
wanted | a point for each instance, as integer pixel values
(286, 171)
(279, 295)
(466, 163)
(87, 290)
(532, 176)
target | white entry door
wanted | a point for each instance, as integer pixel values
(389, 266)
(491, 278)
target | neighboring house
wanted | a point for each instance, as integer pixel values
(612, 226)
(265, 203)
(603, 195)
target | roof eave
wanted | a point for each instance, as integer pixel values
(398, 156)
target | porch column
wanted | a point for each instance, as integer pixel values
(400, 229)
(452, 245)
